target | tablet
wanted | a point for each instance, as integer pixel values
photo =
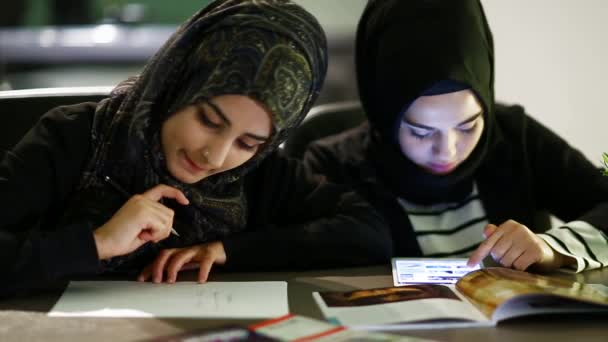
(408, 271)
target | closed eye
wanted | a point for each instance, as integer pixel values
(468, 129)
(205, 120)
(245, 146)
(420, 134)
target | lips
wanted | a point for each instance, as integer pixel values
(191, 166)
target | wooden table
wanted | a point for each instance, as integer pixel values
(24, 319)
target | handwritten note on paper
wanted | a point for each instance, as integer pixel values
(182, 299)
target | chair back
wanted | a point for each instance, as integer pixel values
(322, 121)
(22, 108)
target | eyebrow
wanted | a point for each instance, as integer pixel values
(226, 121)
(472, 118)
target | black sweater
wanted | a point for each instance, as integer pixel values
(529, 173)
(295, 220)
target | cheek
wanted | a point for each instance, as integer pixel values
(416, 150)
(413, 148)
(166, 137)
(170, 133)
(178, 135)
(468, 144)
(236, 158)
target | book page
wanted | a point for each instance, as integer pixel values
(397, 307)
(181, 299)
(527, 305)
(490, 288)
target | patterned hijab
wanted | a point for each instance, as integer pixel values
(270, 50)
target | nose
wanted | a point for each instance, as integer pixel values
(215, 153)
(444, 147)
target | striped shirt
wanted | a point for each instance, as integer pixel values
(456, 230)
(448, 229)
(580, 240)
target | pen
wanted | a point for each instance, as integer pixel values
(123, 192)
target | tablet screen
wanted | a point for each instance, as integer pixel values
(429, 271)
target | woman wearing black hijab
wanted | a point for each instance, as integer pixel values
(453, 172)
(190, 146)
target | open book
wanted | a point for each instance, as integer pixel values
(481, 297)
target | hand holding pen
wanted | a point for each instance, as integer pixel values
(123, 192)
(140, 220)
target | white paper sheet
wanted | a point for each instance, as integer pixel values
(181, 299)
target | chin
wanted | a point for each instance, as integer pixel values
(189, 180)
(182, 176)
(438, 172)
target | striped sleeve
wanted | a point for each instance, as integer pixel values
(580, 240)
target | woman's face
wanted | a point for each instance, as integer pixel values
(209, 138)
(439, 132)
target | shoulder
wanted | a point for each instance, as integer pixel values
(347, 147)
(71, 115)
(49, 158)
(516, 126)
(347, 137)
(63, 125)
(510, 117)
(522, 139)
(63, 133)
(278, 168)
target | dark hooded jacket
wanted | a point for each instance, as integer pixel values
(269, 212)
(523, 170)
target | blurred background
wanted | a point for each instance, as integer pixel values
(550, 54)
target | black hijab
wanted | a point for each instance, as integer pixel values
(271, 50)
(403, 50)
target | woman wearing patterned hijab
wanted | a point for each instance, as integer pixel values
(188, 146)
